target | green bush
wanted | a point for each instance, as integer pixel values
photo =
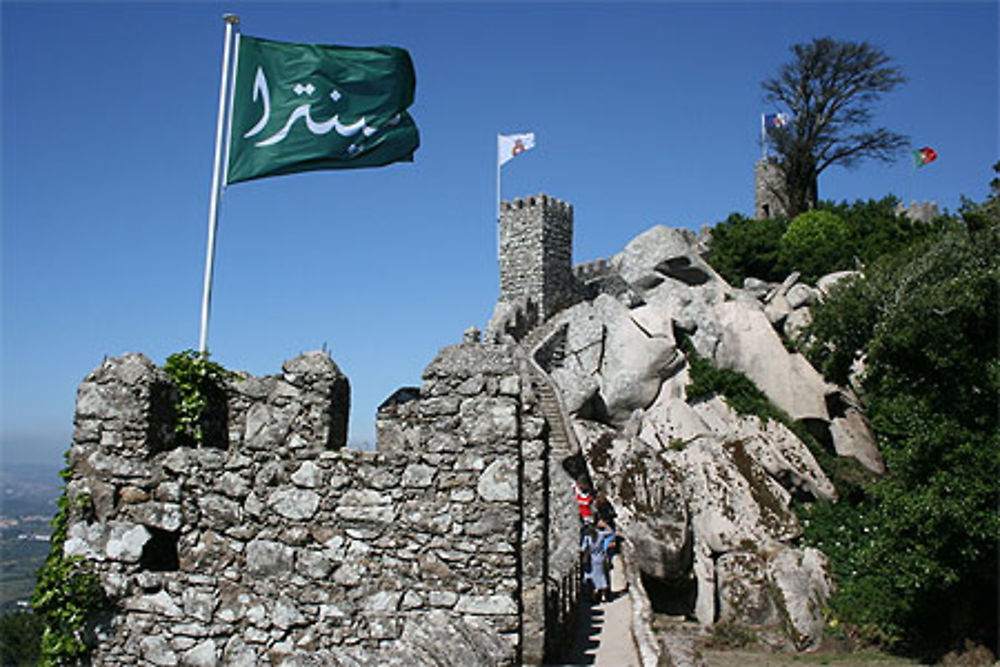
(816, 243)
(201, 385)
(67, 593)
(875, 228)
(744, 248)
(915, 555)
(740, 392)
(836, 335)
(741, 247)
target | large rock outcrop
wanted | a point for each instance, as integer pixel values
(704, 493)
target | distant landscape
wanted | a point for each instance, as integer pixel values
(28, 494)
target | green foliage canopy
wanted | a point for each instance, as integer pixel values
(746, 248)
(916, 557)
(814, 242)
(742, 247)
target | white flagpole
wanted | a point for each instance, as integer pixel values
(213, 207)
(229, 109)
(498, 198)
(498, 179)
(763, 138)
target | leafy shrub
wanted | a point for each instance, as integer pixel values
(875, 228)
(816, 243)
(201, 385)
(744, 248)
(837, 335)
(740, 392)
(67, 593)
(915, 555)
(743, 396)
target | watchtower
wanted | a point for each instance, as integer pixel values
(768, 187)
(536, 253)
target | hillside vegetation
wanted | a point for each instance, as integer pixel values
(914, 552)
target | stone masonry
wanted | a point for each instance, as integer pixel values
(279, 547)
(536, 253)
(548, 562)
(767, 185)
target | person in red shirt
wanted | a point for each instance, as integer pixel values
(584, 500)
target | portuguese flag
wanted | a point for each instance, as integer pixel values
(924, 155)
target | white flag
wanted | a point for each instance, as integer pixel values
(512, 145)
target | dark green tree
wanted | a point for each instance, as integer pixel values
(744, 248)
(916, 556)
(815, 243)
(981, 216)
(829, 89)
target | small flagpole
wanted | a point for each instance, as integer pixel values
(213, 206)
(763, 139)
(499, 217)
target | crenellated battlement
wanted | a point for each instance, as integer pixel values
(271, 543)
(541, 200)
(594, 269)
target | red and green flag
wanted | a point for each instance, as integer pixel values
(924, 155)
(303, 107)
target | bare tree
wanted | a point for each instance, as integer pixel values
(829, 89)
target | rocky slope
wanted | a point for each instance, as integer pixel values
(703, 492)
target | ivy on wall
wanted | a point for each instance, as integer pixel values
(67, 592)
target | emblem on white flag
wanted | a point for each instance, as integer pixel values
(511, 145)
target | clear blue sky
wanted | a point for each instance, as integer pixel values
(644, 114)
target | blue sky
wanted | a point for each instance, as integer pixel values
(644, 114)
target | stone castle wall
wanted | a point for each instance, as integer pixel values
(536, 253)
(276, 546)
(548, 566)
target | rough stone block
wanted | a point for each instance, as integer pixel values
(295, 504)
(125, 542)
(486, 605)
(499, 482)
(269, 559)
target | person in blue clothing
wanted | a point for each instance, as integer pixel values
(610, 545)
(593, 547)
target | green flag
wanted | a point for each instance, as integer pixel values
(302, 107)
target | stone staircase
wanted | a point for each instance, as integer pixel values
(562, 439)
(626, 639)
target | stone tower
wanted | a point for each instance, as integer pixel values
(536, 253)
(767, 185)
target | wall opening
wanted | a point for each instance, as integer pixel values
(159, 554)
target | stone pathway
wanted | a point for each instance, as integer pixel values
(604, 634)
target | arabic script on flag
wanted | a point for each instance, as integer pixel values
(303, 107)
